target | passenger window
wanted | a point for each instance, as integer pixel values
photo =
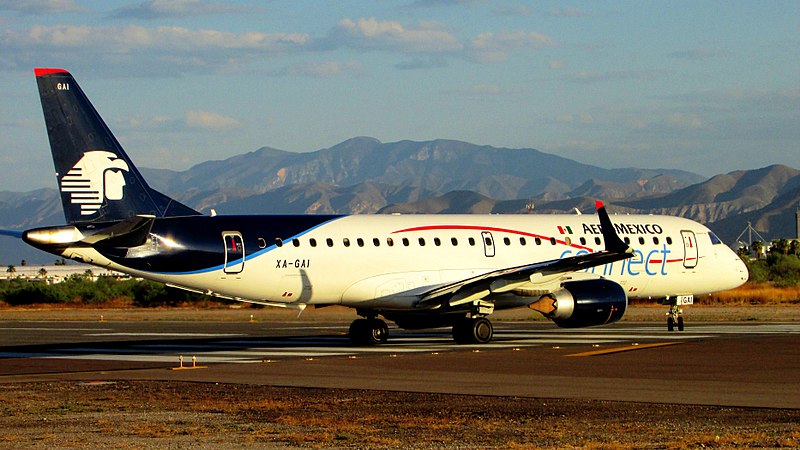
(583, 241)
(360, 242)
(296, 242)
(538, 241)
(627, 240)
(312, 242)
(389, 242)
(655, 240)
(422, 242)
(522, 241)
(376, 242)
(506, 241)
(553, 241)
(597, 241)
(329, 241)
(669, 240)
(262, 243)
(346, 242)
(454, 241)
(487, 241)
(472, 241)
(278, 242)
(641, 240)
(405, 242)
(437, 242)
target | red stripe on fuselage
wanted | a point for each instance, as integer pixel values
(499, 230)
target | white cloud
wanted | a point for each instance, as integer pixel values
(594, 77)
(488, 90)
(323, 69)
(158, 9)
(699, 54)
(40, 7)
(494, 47)
(370, 33)
(567, 12)
(210, 120)
(513, 11)
(584, 118)
(145, 50)
(684, 121)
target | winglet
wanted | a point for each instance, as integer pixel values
(613, 242)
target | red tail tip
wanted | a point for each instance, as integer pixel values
(40, 71)
(598, 204)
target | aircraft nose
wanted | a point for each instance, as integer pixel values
(739, 272)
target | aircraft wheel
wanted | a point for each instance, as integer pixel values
(670, 324)
(680, 323)
(368, 332)
(478, 330)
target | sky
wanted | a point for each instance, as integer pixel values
(708, 87)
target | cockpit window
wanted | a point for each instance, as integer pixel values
(714, 239)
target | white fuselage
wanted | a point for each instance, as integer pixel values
(355, 260)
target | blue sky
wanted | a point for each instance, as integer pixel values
(708, 87)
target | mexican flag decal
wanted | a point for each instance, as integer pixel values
(564, 230)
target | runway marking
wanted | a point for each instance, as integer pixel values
(167, 334)
(629, 348)
(249, 347)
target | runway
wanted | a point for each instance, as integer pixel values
(728, 364)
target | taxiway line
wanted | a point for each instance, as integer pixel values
(608, 351)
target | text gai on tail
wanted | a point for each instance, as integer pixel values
(97, 180)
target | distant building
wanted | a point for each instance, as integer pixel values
(53, 274)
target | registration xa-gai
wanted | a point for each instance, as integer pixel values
(418, 271)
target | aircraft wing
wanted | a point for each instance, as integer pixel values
(507, 279)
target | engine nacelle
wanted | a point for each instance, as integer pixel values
(584, 303)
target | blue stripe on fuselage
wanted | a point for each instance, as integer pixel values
(198, 241)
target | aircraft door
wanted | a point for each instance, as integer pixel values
(234, 252)
(690, 253)
(488, 243)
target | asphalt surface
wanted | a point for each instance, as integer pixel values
(727, 364)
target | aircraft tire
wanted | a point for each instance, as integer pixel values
(680, 323)
(670, 324)
(368, 332)
(478, 330)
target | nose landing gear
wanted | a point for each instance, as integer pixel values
(675, 314)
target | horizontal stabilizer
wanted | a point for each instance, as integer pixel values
(11, 233)
(131, 232)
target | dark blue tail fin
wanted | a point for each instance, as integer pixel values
(97, 180)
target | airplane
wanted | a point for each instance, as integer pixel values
(418, 271)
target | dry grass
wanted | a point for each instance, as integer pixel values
(178, 415)
(755, 294)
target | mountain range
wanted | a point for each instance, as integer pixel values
(364, 176)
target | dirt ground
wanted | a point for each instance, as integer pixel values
(131, 414)
(182, 415)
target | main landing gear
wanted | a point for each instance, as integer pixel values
(371, 330)
(473, 330)
(368, 331)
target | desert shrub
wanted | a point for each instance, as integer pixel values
(79, 289)
(18, 293)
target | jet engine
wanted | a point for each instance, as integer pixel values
(583, 303)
